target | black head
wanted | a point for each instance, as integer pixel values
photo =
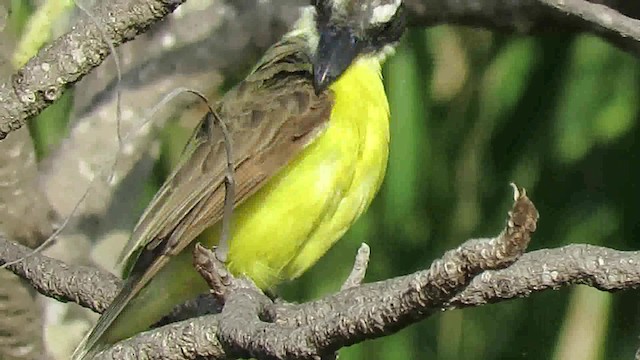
(348, 29)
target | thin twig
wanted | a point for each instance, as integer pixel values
(359, 270)
(599, 14)
(222, 249)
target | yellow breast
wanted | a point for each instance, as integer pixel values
(309, 205)
(299, 214)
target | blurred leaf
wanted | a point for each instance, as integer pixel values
(587, 89)
(50, 126)
(583, 333)
(19, 11)
(500, 89)
(407, 154)
(592, 226)
(506, 78)
(451, 67)
(174, 138)
(38, 29)
(618, 115)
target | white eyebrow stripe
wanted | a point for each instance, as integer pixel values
(384, 13)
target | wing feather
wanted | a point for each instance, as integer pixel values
(272, 116)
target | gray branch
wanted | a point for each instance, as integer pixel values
(73, 55)
(616, 21)
(350, 316)
(24, 216)
(541, 270)
(600, 15)
(86, 286)
(599, 267)
(476, 273)
(59, 65)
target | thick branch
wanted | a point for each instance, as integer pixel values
(554, 269)
(57, 66)
(599, 267)
(365, 311)
(318, 329)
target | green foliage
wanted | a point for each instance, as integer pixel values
(471, 112)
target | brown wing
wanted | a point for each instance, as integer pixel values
(272, 115)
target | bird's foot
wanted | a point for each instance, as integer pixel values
(214, 271)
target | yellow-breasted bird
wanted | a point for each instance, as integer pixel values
(310, 133)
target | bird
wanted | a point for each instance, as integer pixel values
(309, 130)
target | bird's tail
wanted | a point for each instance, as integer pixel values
(95, 341)
(85, 352)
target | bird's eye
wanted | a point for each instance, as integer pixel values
(354, 40)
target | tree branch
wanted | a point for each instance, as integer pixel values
(86, 286)
(599, 267)
(549, 269)
(613, 20)
(349, 316)
(57, 66)
(25, 217)
(599, 14)
(73, 55)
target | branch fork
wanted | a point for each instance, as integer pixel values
(252, 325)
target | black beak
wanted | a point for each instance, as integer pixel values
(336, 50)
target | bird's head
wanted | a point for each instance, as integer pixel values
(349, 29)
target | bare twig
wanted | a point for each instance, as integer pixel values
(196, 335)
(549, 269)
(599, 14)
(213, 271)
(359, 269)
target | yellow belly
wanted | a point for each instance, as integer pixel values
(299, 214)
(290, 223)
